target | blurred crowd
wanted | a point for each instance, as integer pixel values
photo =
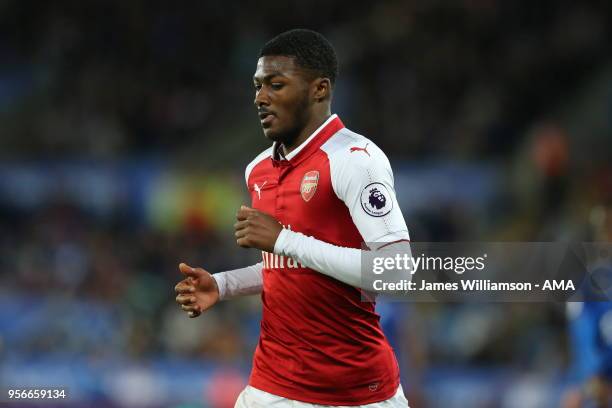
(511, 89)
(424, 78)
(62, 253)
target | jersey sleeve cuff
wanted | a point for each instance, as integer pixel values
(282, 241)
(221, 284)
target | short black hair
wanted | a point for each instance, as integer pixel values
(310, 49)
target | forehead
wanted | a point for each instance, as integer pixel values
(276, 65)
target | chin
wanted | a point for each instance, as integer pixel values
(272, 135)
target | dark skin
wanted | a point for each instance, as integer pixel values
(196, 293)
(298, 101)
(292, 103)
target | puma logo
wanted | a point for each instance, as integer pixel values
(258, 189)
(361, 149)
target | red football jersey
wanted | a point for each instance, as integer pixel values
(319, 342)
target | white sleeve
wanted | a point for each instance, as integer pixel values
(341, 263)
(364, 182)
(239, 282)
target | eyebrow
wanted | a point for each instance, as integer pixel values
(269, 76)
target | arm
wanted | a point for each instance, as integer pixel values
(200, 290)
(343, 264)
(239, 282)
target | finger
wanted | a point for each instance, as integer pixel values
(251, 211)
(184, 287)
(241, 233)
(244, 212)
(191, 308)
(185, 299)
(189, 271)
(241, 224)
(194, 314)
(243, 242)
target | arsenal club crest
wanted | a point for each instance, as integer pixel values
(309, 185)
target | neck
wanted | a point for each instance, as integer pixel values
(308, 130)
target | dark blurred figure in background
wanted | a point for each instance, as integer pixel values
(590, 324)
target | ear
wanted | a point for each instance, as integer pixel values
(321, 89)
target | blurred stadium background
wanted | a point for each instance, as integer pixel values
(125, 128)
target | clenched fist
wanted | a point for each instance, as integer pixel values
(256, 229)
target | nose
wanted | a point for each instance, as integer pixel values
(261, 97)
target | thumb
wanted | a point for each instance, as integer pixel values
(188, 270)
(243, 212)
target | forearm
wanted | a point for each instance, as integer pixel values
(341, 263)
(239, 282)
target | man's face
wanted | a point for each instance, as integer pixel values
(281, 97)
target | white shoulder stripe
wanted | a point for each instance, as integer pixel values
(356, 164)
(260, 157)
(344, 138)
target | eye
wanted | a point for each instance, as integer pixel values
(257, 86)
(276, 85)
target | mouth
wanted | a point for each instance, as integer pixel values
(266, 119)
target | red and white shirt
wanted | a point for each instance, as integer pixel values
(319, 342)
